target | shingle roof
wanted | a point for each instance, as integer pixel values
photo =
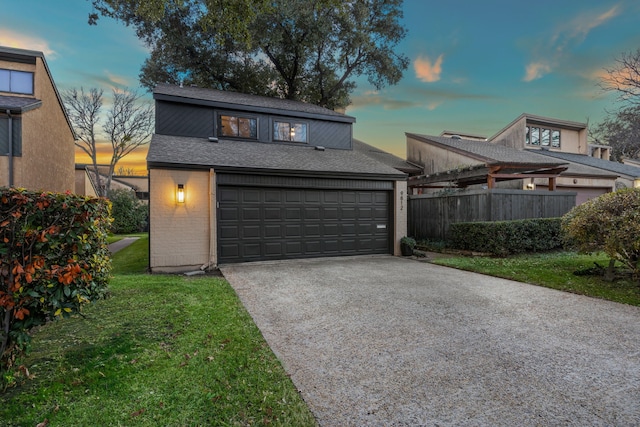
(385, 157)
(18, 103)
(247, 102)
(608, 165)
(487, 152)
(178, 151)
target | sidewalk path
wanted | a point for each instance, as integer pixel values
(121, 244)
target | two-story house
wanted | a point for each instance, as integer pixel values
(37, 149)
(236, 178)
(530, 153)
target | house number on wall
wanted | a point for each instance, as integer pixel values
(401, 200)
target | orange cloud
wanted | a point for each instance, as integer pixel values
(11, 38)
(536, 70)
(426, 70)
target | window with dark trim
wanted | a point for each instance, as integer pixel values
(289, 131)
(16, 81)
(237, 127)
(544, 137)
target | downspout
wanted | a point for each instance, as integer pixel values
(10, 134)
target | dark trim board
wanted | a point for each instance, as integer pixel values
(301, 182)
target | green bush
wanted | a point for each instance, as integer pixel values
(129, 214)
(507, 237)
(609, 223)
(53, 260)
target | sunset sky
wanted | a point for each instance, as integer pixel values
(475, 65)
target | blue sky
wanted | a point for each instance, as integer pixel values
(475, 65)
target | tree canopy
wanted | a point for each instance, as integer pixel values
(621, 128)
(303, 50)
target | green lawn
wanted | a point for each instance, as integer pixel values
(553, 270)
(161, 351)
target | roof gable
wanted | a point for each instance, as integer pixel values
(11, 54)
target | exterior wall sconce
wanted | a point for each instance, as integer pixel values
(530, 186)
(180, 193)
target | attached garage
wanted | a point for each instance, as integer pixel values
(256, 224)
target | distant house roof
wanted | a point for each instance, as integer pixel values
(239, 156)
(29, 56)
(386, 157)
(488, 153)
(234, 100)
(509, 160)
(17, 104)
(607, 165)
(540, 120)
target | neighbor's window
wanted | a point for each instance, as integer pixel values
(289, 131)
(238, 127)
(16, 81)
(542, 136)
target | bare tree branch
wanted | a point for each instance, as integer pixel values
(84, 109)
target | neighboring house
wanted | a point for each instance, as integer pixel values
(86, 182)
(236, 177)
(37, 148)
(519, 147)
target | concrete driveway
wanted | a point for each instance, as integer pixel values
(384, 341)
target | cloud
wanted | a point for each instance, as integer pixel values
(551, 53)
(374, 98)
(116, 81)
(536, 70)
(417, 97)
(427, 71)
(15, 39)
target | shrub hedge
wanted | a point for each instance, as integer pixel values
(53, 259)
(507, 237)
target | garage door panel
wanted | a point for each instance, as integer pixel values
(251, 196)
(272, 214)
(228, 214)
(313, 247)
(312, 230)
(275, 223)
(311, 213)
(272, 230)
(251, 214)
(250, 232)
(293, 231)
(329, 213)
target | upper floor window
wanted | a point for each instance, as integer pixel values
(289, 131)
(543, 137)
(16, 81)
(238, 127)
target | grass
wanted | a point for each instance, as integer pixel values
(553, 270)
(134, 259)
(162, 350)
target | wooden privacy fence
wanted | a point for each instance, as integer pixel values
(431, 214)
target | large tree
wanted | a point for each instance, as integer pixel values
(309, 50)
(128, 125)
(621, 128)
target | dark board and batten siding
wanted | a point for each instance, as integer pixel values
(199, 122)
(431, 215)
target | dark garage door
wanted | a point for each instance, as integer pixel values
(275, 223)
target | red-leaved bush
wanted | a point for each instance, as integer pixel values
(53, 260)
